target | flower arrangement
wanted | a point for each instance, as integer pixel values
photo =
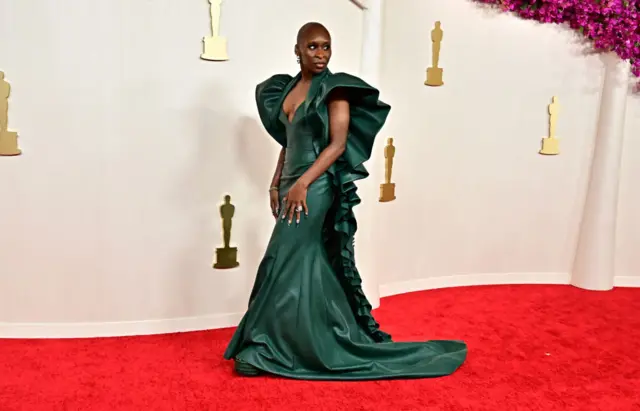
(612, 25)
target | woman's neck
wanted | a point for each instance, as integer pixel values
(307, 75)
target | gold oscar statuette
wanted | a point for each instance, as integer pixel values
(8, 139)
(551, 145)
(215, 46)
(434, 73)
(227, 256)
(388, 189)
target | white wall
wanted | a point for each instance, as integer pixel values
(628, 234)
(108, 222)
(476, 203)
(130, 141)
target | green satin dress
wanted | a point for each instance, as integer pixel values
(308, 317)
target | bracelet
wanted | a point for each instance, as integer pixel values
(274, 188)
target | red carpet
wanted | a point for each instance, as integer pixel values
(530, 348)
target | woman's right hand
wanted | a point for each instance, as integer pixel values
(275, 202)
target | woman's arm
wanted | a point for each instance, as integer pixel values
(339, 118)
(275, 181)
(274, 195)
(338, 129)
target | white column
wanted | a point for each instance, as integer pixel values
(594, 264)
(371, 42)
(370, 72)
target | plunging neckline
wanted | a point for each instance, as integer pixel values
(304, 101)
(295, 112)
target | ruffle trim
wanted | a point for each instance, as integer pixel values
(345, 226)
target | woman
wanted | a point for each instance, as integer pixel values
(308, 317)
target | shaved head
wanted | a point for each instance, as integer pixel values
(313, 48)
(311, 28)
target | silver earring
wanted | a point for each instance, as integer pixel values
(298, 59)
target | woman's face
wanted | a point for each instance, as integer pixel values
(315, 51)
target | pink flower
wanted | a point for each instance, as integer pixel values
(612, 25)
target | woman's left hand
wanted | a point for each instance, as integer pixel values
(295, 202)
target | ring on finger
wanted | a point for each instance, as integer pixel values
(299, 208)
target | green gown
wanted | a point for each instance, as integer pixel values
(308, 317)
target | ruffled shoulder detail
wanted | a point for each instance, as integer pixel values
(368, 115)
(269, 97)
